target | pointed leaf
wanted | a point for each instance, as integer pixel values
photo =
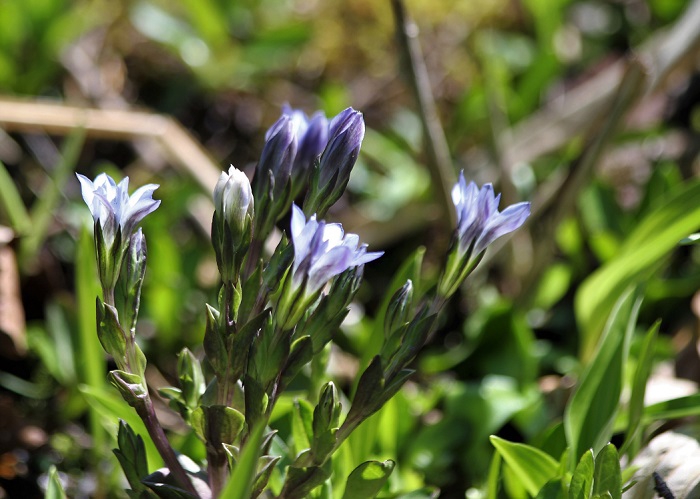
(367, 479)
(54, 489)
(533, 467)
(607, 478)
(240, 483)
(582, 480)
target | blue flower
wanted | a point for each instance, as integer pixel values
(111, 205)
(478, 220)
(321, 252)
(116, 215)
(479, 223)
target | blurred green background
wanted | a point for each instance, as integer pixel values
(587, 108)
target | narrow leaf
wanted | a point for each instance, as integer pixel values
(582, 480)
(240, 483)
(607, 478)
(589, 417)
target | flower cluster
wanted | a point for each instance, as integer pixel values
(276, 313)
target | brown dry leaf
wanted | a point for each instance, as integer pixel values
(13, 342)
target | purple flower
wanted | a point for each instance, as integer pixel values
(277, 157)
(479, 223)
(322, 251)
(111, 205)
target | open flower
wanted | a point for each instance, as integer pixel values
(116, 215)
(479, 223)
(111, 205)
(321, 252)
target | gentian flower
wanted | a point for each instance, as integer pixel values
(232, 222)
(116, 215)
(347, 130)
(479, 223)
(321, 252)
(111, 205)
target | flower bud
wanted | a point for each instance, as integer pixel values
(399, 309)
(347, 130)
(232, 223)
(132, 278)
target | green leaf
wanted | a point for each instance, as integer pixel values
(590, 415)
(131, 454)
(54, 489)
(533, 467)
(551, 490)
(240, 482)
(494, 473)
(607, 478)
(367, 479)
(633, 438)
(302, 424)
(672, 409)
(582, 480)
(11, 203)
(640, 255)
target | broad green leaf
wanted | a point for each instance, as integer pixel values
(240, 483)
(590, 415)
(640, 255)
(582, 481)
(607, 478)
(367, 479)
(533, 467)
(54, 489)
(633, 437)
(11, 203)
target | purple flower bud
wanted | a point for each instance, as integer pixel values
(312, 137)
(346, 133)
(277, 156)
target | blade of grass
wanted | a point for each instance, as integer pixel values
(590, 415)
(93, 368)
(633, 435)
(42, 213)
(241, 481)
(11, 203)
